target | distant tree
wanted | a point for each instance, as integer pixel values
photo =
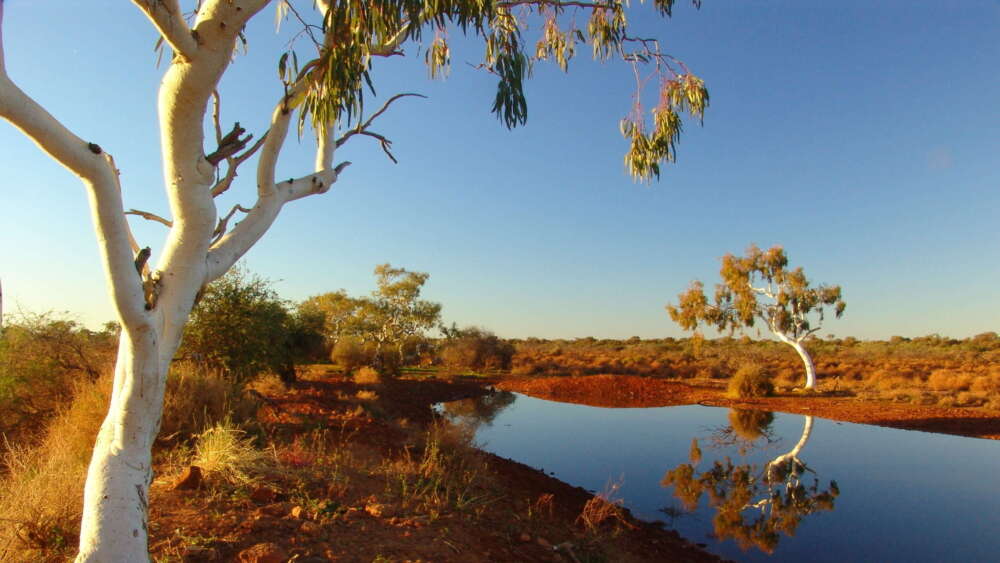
(306, 340)
(395, 311)
(391, 317)
(338, 313)
(759, 286)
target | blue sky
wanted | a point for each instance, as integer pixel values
(861, 136)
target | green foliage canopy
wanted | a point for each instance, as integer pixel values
(329, 87)
(758, 286)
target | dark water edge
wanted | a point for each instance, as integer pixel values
(903, 495)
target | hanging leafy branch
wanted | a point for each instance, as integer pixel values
(330, 88)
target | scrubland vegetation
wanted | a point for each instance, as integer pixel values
(924, 370)
(320, 410)
(343, 463)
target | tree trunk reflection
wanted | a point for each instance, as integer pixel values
(753, 505)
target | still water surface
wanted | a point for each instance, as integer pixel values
(903, 495)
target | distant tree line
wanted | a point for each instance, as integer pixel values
(241, 328)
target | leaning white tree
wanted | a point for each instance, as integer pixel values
(325, 94)
(760, 286)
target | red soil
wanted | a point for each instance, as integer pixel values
(632, 391)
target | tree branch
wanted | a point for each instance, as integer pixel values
(216, 116)
(150, 217)
(97, 170)
(224, 222)
(166, 15)
(229, 145)
(232, 164)
(362, 129)
(226, 249)
(557, 4)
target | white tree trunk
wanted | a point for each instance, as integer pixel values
(803, 353)
(807, 360)
(116, 495)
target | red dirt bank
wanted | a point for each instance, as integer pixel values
(632, 391)
(361, 520)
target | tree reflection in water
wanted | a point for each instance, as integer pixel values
(753, 505)
(479, 411)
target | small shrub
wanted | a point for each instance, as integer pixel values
(526, 368)
(603, 508)
(367, 376)
(350, 354)
(751, 380)
(750, 424)
(225, 451)
(41, 356)
(478, 349)
(949, 380)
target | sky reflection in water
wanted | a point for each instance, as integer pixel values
(904, 495)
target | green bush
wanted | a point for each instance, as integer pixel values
(475, 348)
(241, 328)
(350, 354)
(751, 380)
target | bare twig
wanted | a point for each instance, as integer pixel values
(216, 111)
(229, 145)
(150, 217)
(362, 128)
(224, 222)
(233, 163)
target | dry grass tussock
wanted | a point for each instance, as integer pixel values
(195, 400)
(604, 509)
(226, 452)
(449, 475)
(41, 488)
(367, 376)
